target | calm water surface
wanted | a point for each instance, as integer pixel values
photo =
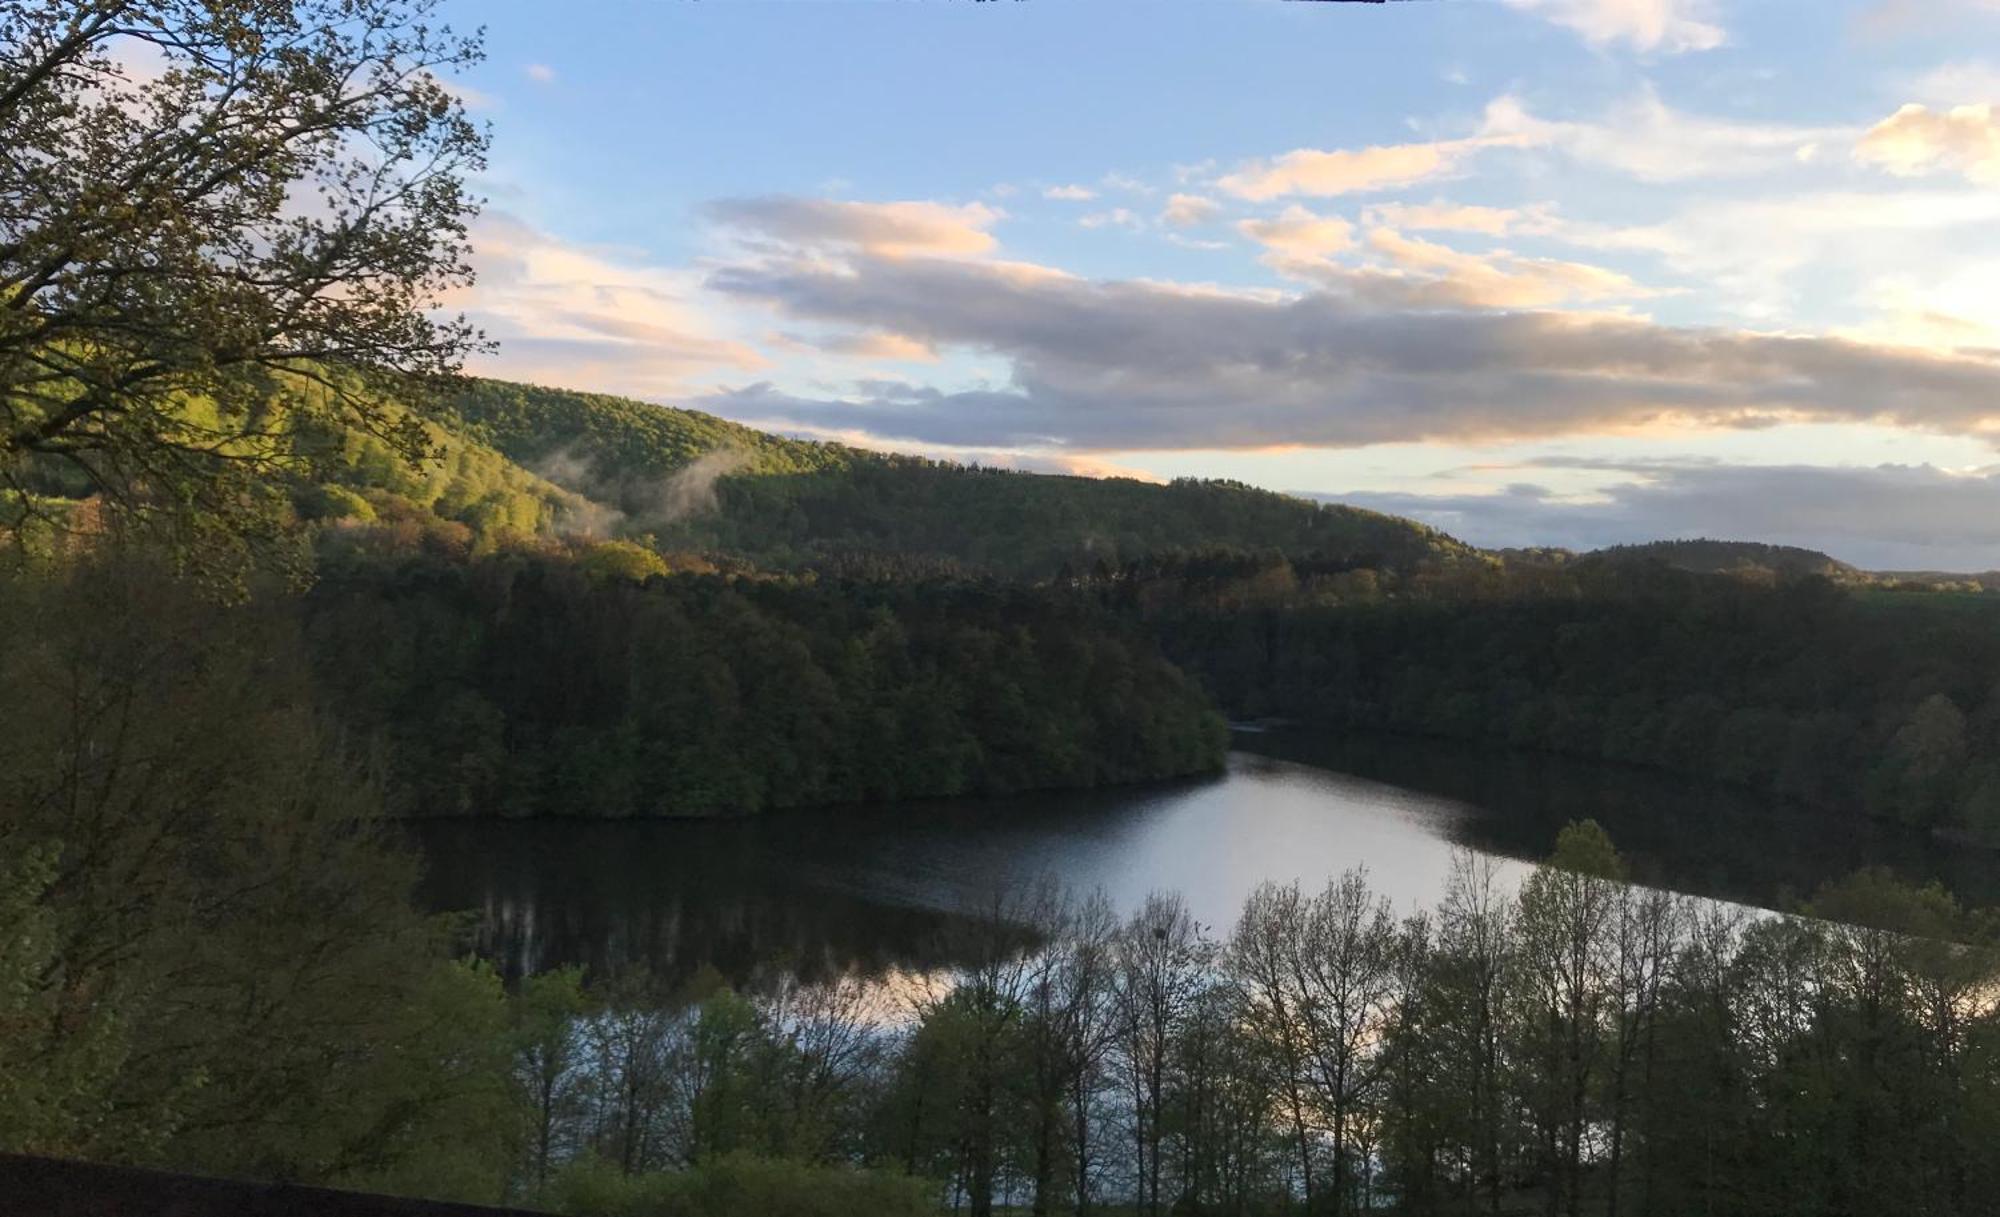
(876, 889)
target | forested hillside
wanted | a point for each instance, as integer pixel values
(693, 481)
(1742, 558)
(1846, 699)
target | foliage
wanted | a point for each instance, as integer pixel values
(790, 504)
(527, 683)
(1840, 698)
(737, 1184)
(209, 960)
(1567, 1044)
(278, 200)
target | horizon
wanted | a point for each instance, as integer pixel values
(1536, 272)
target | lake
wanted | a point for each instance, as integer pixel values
(879, 889)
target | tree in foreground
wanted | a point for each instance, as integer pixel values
(217, 218)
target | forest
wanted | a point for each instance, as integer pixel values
(535, 683)
(1850, 699)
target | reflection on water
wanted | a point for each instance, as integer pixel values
(1703, 839)
(876, 889)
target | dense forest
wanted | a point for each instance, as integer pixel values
(1848, 699)
(531, 683)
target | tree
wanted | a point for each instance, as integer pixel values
(1347, 972)
(549, 1063)
(1162, 959)
(1264, 959)
(208, 937)
(205, 204)
(1469, 968)
(1565, 969)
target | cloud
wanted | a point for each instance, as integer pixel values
(1646, 25)
(1641, 137)
(1322, 172)
(1116, 217)
(1188, 210)
(1440, 216)
(884, 229)
(569, 314)
(1439, 275)
(1888, 517)
(1906, 16)
(1070, 194)
(1770, 258)
(1126, 183)
(1952, 84)
(1107, 365)
(1298, 233)
(1409, 272)
(869, 344)
(540, 73)
(1917, 140)
(1644, 138)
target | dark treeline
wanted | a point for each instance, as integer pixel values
(537, 682)
(1844, 698)
(1577, 1046)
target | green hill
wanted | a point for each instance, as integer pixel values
(694, 481)
(1702, 556)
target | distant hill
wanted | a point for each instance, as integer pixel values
(694, 481)
(1707, 557)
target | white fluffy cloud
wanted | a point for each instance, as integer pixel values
(1298, 233)
(1642, 137)
(1647, 25)
(1395, 270)
(1768, 259)
(1918, 140)
(1327, 172)
(567, 314)
(1188, 210)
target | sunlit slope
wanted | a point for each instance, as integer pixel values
(693, 480)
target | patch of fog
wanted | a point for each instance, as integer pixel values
(636, 505)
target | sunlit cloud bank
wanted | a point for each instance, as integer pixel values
(567, 314)
(1135, 365)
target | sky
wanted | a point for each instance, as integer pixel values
(1539, 272)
